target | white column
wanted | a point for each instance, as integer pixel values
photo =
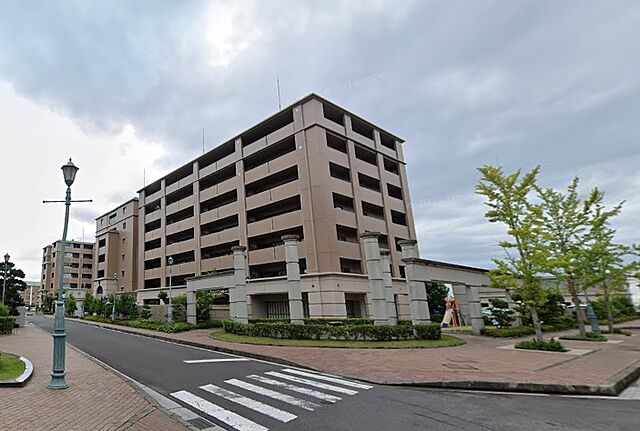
(475, 310)
(374, 272)
(240, 289)
(191, 306)
(294, 290)
(389, 296)
(416, 288)
(409, 248)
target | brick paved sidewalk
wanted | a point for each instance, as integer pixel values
(477, 364)
(96, 400)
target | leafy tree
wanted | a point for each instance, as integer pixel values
(89, 303)
(610, 268)
(145, 313)
(126, 306)
(501, 313)
(163, 297)
(48, 303)
(204, 300)
(436, 296)
(14, 287)
(98, 307)
(565, 225)
(70, 305)
(509, 201)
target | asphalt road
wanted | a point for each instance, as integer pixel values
(233, 381)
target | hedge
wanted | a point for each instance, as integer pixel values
(318, 321)
(6, 325)
(158, 326)
(547, 346)
(508, 332)
(324, 331)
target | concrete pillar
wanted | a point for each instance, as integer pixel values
(409, 248)
(417, 293)
(460, 291)
(374, 272)
(240, 289)
(191, 307)
(294, 289)
(475, 310)
(389, 296)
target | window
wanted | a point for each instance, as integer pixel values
(153, 263)
(398, 218)
(153, 225)
(270, 153)
(366, 155)
(151, 245)
(342, 202)
(371, 210)
(333, 114)
(101, 258)
(347, 234)
(219, 225)
(391, 166)
(388, 141)
(218, 201)
(336, 142)
(152, 283)
(124, 210)
(87, 256)
(273, 124)
(122, 256)
(272, 181)
(394, 191)
(368, 182)
(339, 172)
(361, 128)
(123, 273)
(352, 266)
(179, 195)
(124, 225)
(102, 242)
(274, 209)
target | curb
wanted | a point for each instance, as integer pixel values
(614, 385)
(23, 378)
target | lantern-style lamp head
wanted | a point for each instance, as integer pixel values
(6, 258)
(170, 261)
(69, 171)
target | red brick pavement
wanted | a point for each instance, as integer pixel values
(96, 400)
(479, 360)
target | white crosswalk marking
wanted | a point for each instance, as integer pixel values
(312, 383)
(263, 408)
(207, 361)
(328, 379)
(299, 389)
(307, 405)
(232, 419)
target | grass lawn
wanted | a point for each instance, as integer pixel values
(446, 341)
(10, 367)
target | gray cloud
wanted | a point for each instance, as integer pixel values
(465, 83)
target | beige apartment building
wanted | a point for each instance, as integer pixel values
(313, 170)
(116, 258)
(77, 259)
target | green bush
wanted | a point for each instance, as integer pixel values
(5, 310)
(6, 324)
(146, 324)
(326, 331)
(589, 336)
(70, 305)
(404, 322)
(336, 322)
(515, 331)
(429, 331)
(547, 346)
(126, 306)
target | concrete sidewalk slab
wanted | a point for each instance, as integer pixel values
(478, 364)
(96, 399)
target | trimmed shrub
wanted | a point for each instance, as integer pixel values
(336, 322)
(589, 336)
(6, 325)
(5, 310)
(547, 346)
(515, 331)
(326, 331)
(429, 331)
(145, 324)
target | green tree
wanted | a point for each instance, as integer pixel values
(436, 297)
(204, 300)
(610, 265)
(70, 305)
(88, 304)
(48, 303)
(126, 305)
(565, 225)
(14, 287)
(162, 296)
(509, 200)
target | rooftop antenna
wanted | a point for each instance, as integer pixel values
(279, 99)
(203, 140)
(144, 178)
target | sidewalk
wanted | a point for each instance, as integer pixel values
(96, 400)
(479, 364)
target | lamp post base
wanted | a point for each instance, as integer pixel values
(57, 381)
(59, 338)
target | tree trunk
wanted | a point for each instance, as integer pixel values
(607, 301)
(580, 315)
(536, 322)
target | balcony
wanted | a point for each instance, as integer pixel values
(179, 226)
(181, 204)
(273, 195)
(181, 247)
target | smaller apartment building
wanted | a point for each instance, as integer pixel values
(115, 265)
(77, 259)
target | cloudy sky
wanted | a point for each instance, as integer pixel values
(127, 86)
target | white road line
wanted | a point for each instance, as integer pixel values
(263, 408)
(206, 361)
(312, 383)
(230, 418)
(304, 404)
(306, 391)
(328, 379)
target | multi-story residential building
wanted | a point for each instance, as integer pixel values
(77, 259)
(116, 258)
(313, 169)
(31, 295)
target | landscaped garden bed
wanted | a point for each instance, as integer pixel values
(11, 367)
(157, 326)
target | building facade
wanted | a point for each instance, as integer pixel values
(116, 257)
(77, 259)
(313, 170)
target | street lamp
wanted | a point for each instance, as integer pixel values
(4, 285)
(69, 171)
(170, 311)
(113, 307)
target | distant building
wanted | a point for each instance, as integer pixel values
(77, 260)
(31, 295)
